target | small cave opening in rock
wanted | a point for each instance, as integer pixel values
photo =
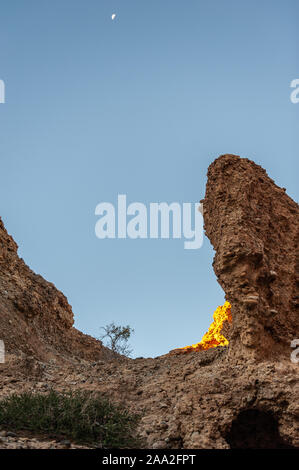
(255, 429)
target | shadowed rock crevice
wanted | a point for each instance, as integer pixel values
(255, 429)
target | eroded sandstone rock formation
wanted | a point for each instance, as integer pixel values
(243, 395)
(35, 317)
(253, 226)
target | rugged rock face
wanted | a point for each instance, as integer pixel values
(254, 228)
(243, 395)
(35, 317)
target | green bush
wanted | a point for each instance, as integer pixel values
(84, 417)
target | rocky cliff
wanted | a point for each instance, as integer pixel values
(35, 317)
(254, 228)
(243, 395)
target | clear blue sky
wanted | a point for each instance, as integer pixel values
(140, 106)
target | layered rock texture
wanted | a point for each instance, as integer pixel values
(254, 228)
(243, 395)
(35, 317)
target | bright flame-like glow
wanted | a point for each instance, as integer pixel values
(213, 337)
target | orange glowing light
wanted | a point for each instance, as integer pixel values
(213, 337)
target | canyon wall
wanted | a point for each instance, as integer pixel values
(254, 228)
(243, 395)
(35, 317)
